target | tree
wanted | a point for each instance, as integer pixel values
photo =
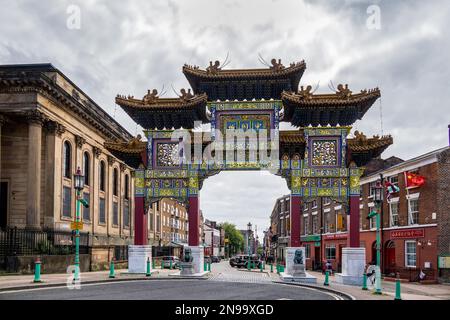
(235, 238)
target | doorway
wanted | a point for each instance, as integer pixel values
(317, 259)
(3, 204)
(390, 257)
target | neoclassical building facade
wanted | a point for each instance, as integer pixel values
(49, 128)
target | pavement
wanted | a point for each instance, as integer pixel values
(224, 282)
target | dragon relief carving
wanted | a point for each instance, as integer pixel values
(151, 96)
(343, 91)
(276, 66)
(305, 93)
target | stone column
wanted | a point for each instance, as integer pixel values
(194, 220)
(296, 212)
(53, 163)
(35, 121)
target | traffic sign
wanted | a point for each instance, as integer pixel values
(76, 225)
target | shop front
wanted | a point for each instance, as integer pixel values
(312, 244)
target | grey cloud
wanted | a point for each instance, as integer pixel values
(129, 48)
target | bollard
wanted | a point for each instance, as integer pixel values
(271, 268)
(248, 265)
(204, 266)
(111, 269)
(261, 266)
(162, 264)
(326, 283)
(278, 268)
(209, 266)
(364, 281)
(148, 273)
(170, 264)
(37, 270)
(398, 295)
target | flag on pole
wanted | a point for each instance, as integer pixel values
(390, 189)
(413, 180)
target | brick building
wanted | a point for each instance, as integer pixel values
(280, 227)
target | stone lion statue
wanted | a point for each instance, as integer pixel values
(298, 257)
(188, 255)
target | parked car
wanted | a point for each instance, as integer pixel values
(175, 262)
(242, 260)
(215, 259)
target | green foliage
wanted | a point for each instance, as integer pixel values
(235, 238)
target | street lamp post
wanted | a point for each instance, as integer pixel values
(378, 199)
(79, 185)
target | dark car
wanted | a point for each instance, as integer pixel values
(215, 259)
(242, 260)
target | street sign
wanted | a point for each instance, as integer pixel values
(76, 225)
(226, 240)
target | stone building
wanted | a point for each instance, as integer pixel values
(49, 128)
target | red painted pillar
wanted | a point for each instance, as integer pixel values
(296, 212)
(140, 222)
(353, 238)
(194, 221)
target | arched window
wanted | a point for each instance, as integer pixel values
(115, 182)
(102, 176)
(67, 160)
(126, 187)
(86, 166)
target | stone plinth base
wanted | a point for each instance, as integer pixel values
(353, 264)
(137, 258)
(295, 269)
(306, 278)
(197, 259)
(179, 274)
(187, 268)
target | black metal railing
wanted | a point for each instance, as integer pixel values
(22, 242)
(121, 253)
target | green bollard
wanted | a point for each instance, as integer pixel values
(271, 268)
(204, 266)
(261, 266)
(398, 295)
(37, 270)
(278, 268)
(148, 273)
(162, 264)
(111, 269)
(170, 264)
(364, 281)
(326, 283)
(209, 266)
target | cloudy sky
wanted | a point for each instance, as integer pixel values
(129, 47)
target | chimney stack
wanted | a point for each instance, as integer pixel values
(449, 135)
